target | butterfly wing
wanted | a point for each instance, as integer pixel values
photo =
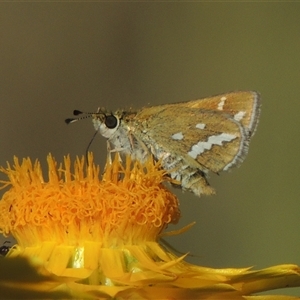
(243, 106)
(205, 139)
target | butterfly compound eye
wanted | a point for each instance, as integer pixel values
(111, 121)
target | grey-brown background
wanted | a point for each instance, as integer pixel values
(56, 57)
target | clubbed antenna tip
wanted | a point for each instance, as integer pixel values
(77, 112)
(70, 120)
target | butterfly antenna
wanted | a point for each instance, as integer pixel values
(77, 113)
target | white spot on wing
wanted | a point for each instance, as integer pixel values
(221, 103)
(239, 116)
(177, 136)
(200, 126)
(201, 147)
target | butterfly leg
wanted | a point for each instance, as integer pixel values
(110, 151)
(109, 159)
(139, 150)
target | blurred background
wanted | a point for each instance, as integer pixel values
(57, 57)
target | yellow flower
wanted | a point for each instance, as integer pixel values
(87, 237)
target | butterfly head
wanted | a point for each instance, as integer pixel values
(106, 123)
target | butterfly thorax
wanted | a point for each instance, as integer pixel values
(118, 130)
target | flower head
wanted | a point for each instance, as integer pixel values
(99, 236)
(127, 206)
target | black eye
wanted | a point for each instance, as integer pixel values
(111, 121)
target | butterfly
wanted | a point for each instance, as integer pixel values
(190, 138)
